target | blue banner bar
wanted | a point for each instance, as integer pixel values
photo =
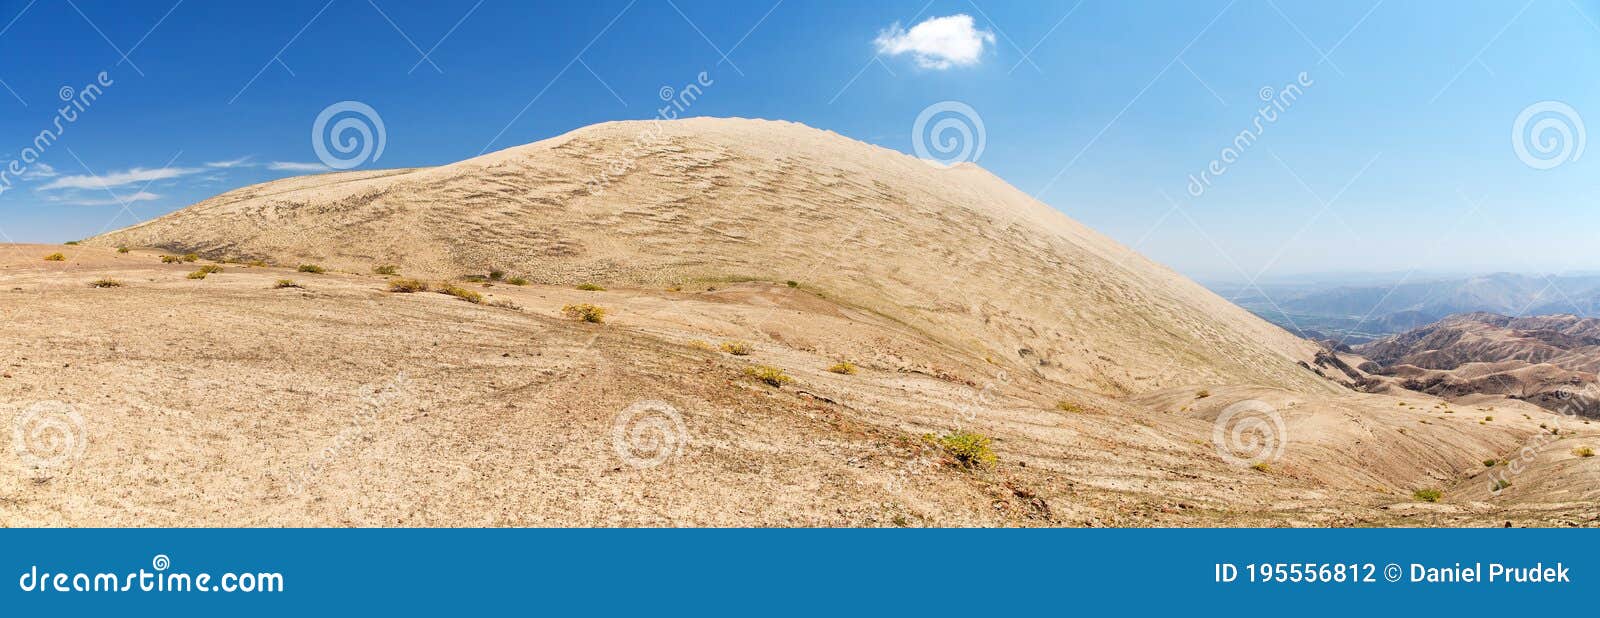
(792, 572)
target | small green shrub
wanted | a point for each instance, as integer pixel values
(1501, 484)
(462, 293)
(407, 286)
(170, 259)
(496, 275)
(1202, 394)
(1488, 463)
(1489, 418)
(843, 368)
(285, 283)
(70, 242)
(105, 282)
(211, 268)
(773, 376)
(1067, 406)
(123, 249)
(1427, 495)
(55, 257)
(969, 449)
(256, 263)
(1261, 466)
(585, 312)
(736, 348)
(792, 283)
(190, 257)
(1583, 451)
(386, 270)
(517, 280)
(199, 274)
(312, 268)
(590, 287)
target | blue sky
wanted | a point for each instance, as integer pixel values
(1399, 154)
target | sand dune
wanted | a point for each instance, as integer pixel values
(964, 305)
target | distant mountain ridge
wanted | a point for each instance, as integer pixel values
(1357, 314)
(1545, 360)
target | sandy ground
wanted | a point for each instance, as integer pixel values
(226, 401)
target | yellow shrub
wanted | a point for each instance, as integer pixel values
(462, 293)
(407, 286)
(773, 376)
(969, 449)
(843, 368)
(585, 312)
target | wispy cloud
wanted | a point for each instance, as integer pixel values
(39, 171)
(937, 43)
(243, 161)
(117, 179)
(291, 166)
(141, 196)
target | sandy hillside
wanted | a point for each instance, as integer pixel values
(1101, 378)
(956, 253)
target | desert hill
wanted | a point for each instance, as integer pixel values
(1548, 360)
(264, 393)
(954, 252)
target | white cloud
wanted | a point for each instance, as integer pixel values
(39, 171)
(239, 162)
(291, 166)
(116, 179)
(937, 43)
(141, 196)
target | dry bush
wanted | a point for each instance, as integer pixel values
(971, 450)
(55, 257)
(843, 368)
(736, 348)
(386, 270)
(590, 287)
(585, 312)
(312, 268)
(407, 286)
(105, 282)
(773, 376)
(462, 293)
(285, 283)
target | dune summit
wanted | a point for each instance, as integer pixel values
(735, 322)
(954, 252)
